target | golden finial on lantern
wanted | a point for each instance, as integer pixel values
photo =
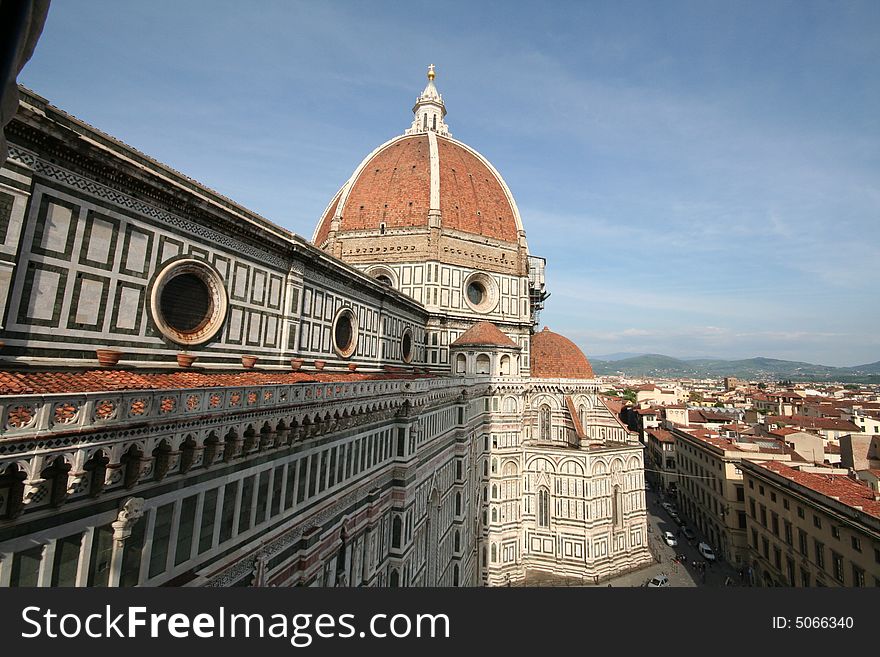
(431, 73)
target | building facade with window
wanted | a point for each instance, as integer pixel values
(811, 527)
(711, 492)
(192, 395)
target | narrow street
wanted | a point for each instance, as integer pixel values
(719, 573)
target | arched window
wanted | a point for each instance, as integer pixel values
(187, 454)
(455, 575)
(544, 429)
(494, 466)
(494, 492)
(509, 405)
(494, 514)
(396, 527)
(97, 469)
(505, 365)
(457, 541)
(482, 364)
(161, 460)
(543, 507)
(212, 443)
(424, 121)
(458, 504)
(12, 489)
(615, 506)
(56, 476)
(460, 364)
(394, 580)
(582, 412)
(494, 552)
(434, 122)
(131, 461)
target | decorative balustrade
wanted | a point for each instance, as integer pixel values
(39, 415)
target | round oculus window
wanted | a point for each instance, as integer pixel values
(383, 274)
(188, 302)
(406, 347)
(345, 333)
(481, 292)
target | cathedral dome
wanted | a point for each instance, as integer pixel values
(556, 357)
(396, 186)
(425, 196)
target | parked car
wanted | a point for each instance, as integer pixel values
(658, 581)
(670, 539)
(688, 533)
(706, 551)
(678, 520)
(668, 506)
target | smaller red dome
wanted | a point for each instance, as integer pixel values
(556, 357)
(483, 334)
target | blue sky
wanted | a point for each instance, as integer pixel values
(703, 177)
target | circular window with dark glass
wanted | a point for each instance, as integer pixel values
(481, 292)
(188, 301)
(345, 333)
(476, 292)
(406, 346)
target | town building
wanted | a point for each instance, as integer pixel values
(810, 526)
(660, 460)
(711, 492)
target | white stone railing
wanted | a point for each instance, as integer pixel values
(39, 415)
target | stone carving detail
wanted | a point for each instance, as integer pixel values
(20, 416)
(65, 413)
(105, 410)
(132, 510)
(138, 407)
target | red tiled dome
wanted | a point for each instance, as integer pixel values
(556, 357)
(396, 185)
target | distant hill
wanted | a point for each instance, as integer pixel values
(749, 368)
(620, 355)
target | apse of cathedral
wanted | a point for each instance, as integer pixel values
(192, 395)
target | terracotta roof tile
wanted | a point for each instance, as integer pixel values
(575, 418)
(483, 334)
(42, 383)
(661, 435)
(806, 422)
(847, 491)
